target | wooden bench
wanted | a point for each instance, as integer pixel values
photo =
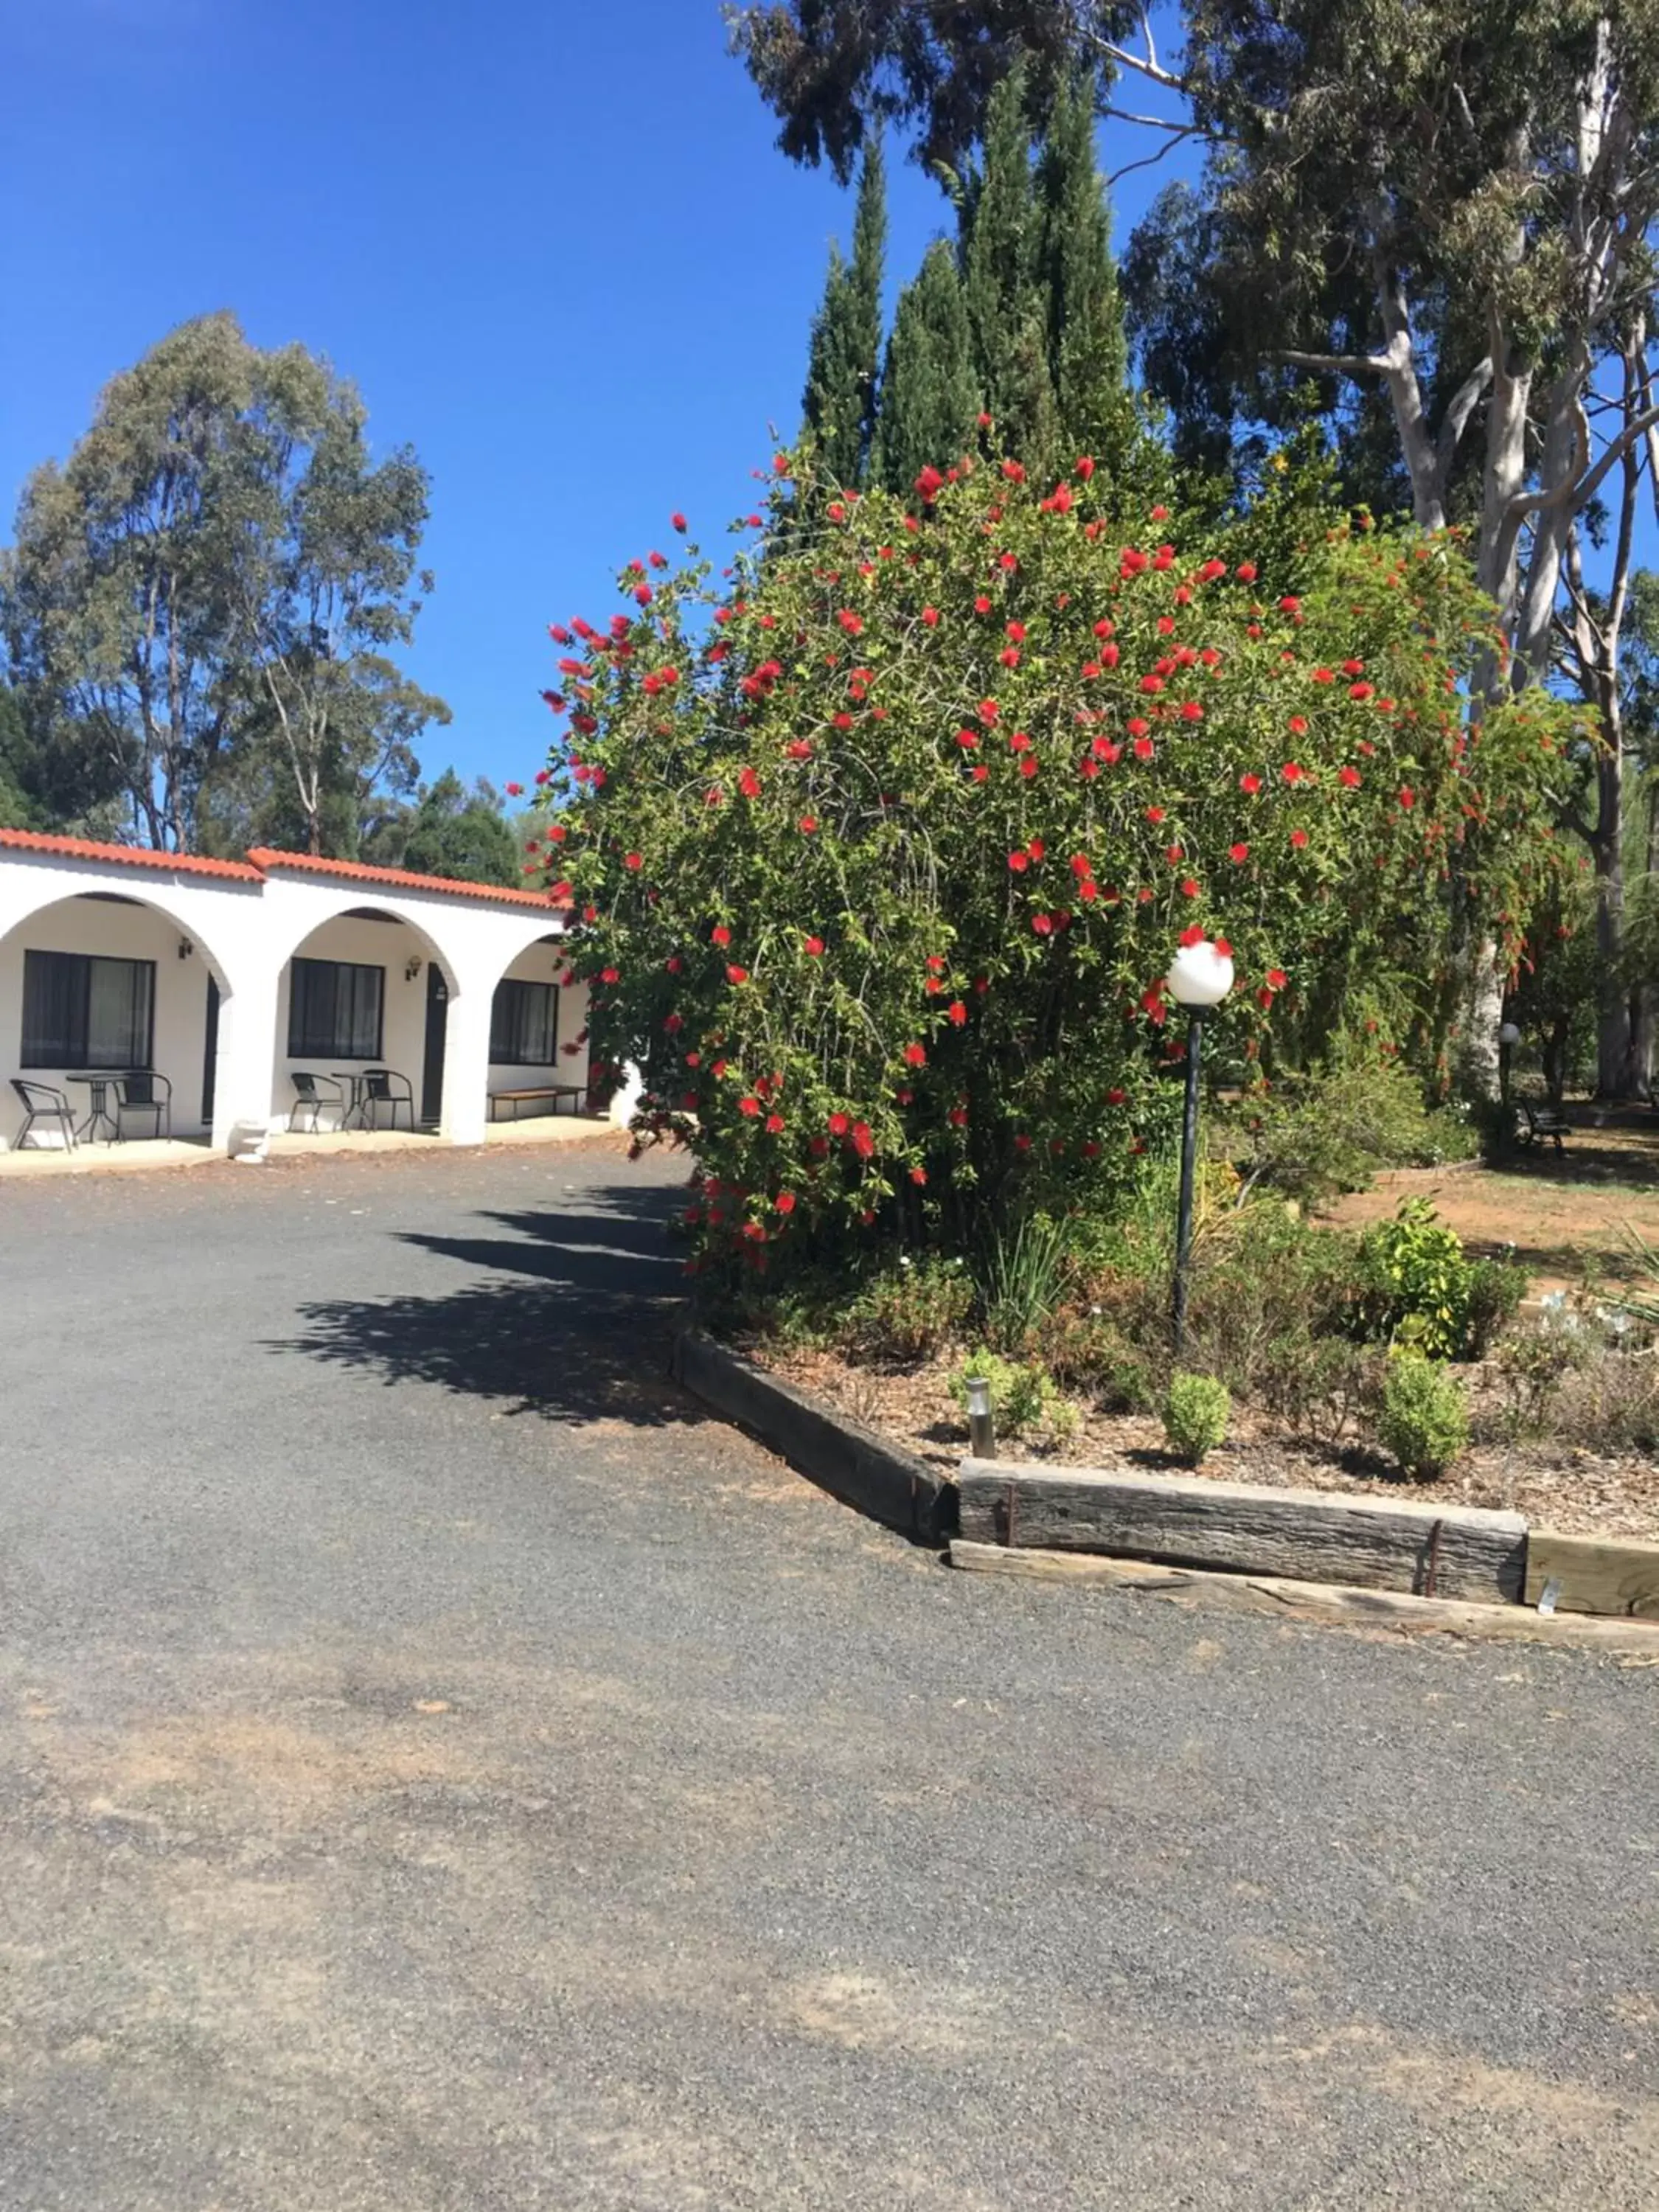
(1536, 1122)
(574, 1091)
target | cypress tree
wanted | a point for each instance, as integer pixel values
(1087, 355)
(929, 399)
(1001, 235)
(839, 403)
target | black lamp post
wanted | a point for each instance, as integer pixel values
(1200, 975)
(1508, 1037)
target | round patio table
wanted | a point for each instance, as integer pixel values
(98, 1081)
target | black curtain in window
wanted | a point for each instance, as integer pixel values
(524, 1023)
(82, 1012)
(334, 1011)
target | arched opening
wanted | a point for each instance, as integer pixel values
(362, 1006)
(109, 1003)
(538, 1051)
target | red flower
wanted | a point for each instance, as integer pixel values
(798, 749)
(1361, 691)
(1351, 777)
(1191, 711)
(958, 1013)
(1323, 676)
(1115, 1097)
(982, 605)
(807, 824)
(929, 484)
(749, 1107)
(838, 1125)
(988, 711)
(634, 860)
(1276, 979)
(1154, 813)
(1293, 772)
(1238, 853)
(1194, 935)
(643, 593)
(1298, 726)
(784, 1201)
(610, 975)
(814, 946)
(1251, 784)
(1085, 468)
(1245, 571)
(930, 616)
(1407, 796)
(750, 784)
(851, 622)
(1042, 925)
(737, 974)
(1152, 683)
(1019, 862)
(1144, 749)
(1188, 887)
(1298, 838)
(1290, 604)
(1009, 656)
(915, 1055)
(774, 1125)
(677, 520)
(1014, 471)
(1022, 1144)
(515, 790)
(862, 1140)
(720, 934)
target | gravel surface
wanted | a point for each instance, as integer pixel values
(439, 1770)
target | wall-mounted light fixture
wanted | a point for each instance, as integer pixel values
(413, 968)
(185, 948)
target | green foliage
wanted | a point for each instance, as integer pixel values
(1025, 1272)
(454, 832)
(1415, 1284)
(929, 393)
(1330, 1128)
(909, 1311)
(839, 406)
(887, 847)
(1641, 1304)
(1196, 1411)
(203, 602)
(1023, 1395)
(1424, 1422)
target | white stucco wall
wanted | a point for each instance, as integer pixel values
(245, 928)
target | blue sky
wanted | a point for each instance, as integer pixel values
(554, 245)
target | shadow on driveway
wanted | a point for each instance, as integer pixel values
(579, 1329)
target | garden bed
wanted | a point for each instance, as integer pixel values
(1573, 1490)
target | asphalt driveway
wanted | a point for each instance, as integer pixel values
(440, 1771)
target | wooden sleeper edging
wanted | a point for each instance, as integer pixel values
(840, 1456)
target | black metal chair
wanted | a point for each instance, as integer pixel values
(315, 1095)
(42, 1103)
(144, 1092)
(380, 1088)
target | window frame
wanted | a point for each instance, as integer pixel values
(515, 1026)
(304, 1047)
(44, 1054)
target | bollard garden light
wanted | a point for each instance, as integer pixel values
(981, 1429)
(1200, 975)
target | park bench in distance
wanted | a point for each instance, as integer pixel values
(1537, 1122)
(517, 1099)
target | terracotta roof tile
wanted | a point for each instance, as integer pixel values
(128, 856)
(400, 878)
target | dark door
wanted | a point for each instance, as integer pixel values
(437, 1024)
(210, 1052)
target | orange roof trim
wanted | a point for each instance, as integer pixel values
(398, 878)
(261, 861)
(129, 856)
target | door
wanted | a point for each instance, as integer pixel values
(437, 1025)
(210, 1052)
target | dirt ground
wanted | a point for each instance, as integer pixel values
(1565, 1215)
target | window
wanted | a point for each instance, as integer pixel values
(524, 1024)
(334, 1010)
(79, 1012)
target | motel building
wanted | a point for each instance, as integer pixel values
(147, 993)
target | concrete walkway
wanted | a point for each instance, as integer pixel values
(439, 1770)
(138, 1153)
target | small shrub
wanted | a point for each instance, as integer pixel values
(1532, 1369)
(1328, 1130)
(1323, 1388)
(1424, 1422)
(910, 1311)
(1414, 1284)
(1086, 1349)
(1023, 1396)
(1609, 1402)
(1496, 1289)
(1195, 1414)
